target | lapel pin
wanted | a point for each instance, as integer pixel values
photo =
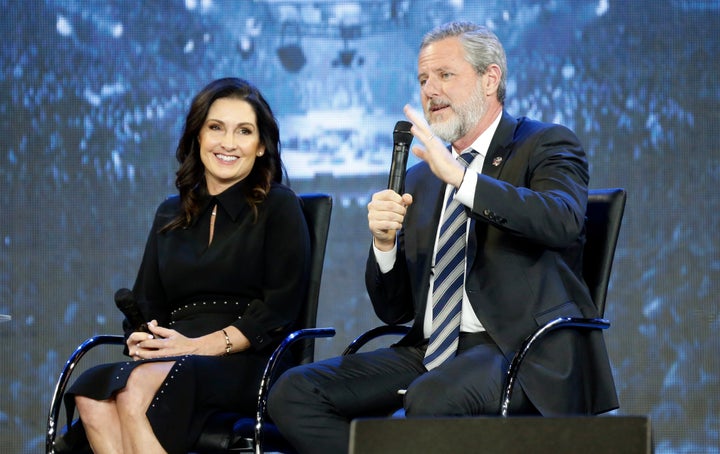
(496, 162)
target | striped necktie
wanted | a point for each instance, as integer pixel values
(449, 279)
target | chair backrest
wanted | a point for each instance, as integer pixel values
(317, 209)
(604, 215)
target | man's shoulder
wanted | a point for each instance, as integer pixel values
(526, 125)
(527, 128)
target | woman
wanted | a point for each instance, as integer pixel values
(222, 279)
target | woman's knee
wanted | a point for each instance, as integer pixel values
(88, 408)
(141, 387)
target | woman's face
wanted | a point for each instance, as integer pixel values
(229, 143)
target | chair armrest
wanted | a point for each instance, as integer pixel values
(530, 341)
(271, 370)
(64, 378)
(364, 338)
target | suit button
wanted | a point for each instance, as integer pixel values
(487, 212)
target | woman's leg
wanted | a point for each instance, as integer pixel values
(132, 404)
(102, 424)
(119, 424)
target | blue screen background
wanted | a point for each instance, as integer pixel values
(92, 98)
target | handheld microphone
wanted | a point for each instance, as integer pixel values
(402, 138)
(125, 301)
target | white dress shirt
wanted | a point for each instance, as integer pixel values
(466, 195)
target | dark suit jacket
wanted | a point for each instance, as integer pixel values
(524, 262)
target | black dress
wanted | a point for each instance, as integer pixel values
(253, 276)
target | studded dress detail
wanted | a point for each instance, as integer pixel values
(252, 276)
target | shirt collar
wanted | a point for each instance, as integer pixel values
(482, 143)
(232, 200)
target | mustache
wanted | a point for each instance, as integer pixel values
(435, 103)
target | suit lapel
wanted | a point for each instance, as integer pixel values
(428, 195)
(496, 157)
(499, 148)
(432, 192)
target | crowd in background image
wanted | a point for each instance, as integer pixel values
(88, 126)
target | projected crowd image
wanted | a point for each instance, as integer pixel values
(94, 93)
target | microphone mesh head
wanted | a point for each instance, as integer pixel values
(123, 297)
(401, 133)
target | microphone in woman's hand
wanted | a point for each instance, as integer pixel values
(128, 305)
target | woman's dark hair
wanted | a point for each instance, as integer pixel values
(190, 179)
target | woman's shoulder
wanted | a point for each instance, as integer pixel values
(280, 188)
(282, 197)
(280, 192)
(169, 208)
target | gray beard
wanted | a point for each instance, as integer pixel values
(467, 115)
(450, 130)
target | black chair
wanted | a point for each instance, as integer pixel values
(224, 431)
(603, 219)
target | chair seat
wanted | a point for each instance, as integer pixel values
(228, 431)
(72, 440)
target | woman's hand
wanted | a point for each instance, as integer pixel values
(161, 343)
(135, 340)
(165, 342)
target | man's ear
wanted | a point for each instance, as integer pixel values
(492, 76)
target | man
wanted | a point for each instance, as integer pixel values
(517, 265)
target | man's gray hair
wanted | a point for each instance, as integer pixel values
(482, 48)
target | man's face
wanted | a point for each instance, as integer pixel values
(451, 90)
